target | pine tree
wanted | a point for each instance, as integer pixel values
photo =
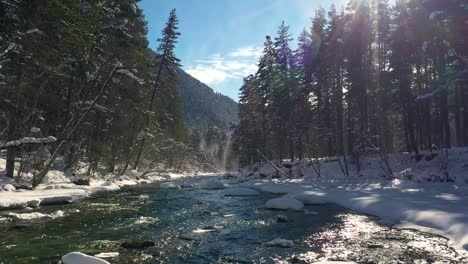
(171, 113)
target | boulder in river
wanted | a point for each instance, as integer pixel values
(136, 244)
(282, 219)
(213, 184)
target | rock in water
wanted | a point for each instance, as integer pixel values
(213, 184)
(278, 242)
(80, 258)
(282, 219)
(334, 262)
(136, 244)
(169, 185)
(284, 203)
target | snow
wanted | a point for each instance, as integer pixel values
(146, 220)
(240, 191)
(131, 76)
(310, 197)
(30, 140)
(57, 187)
(278, 242)
(9, 187)
(107, 255)
(80, 258)
(418, 196)
(434, 206)
(284, 203)
(36, 215)
(55, 176)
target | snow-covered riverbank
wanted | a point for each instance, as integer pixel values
(429, 207)
(428, 193)
(58, 187)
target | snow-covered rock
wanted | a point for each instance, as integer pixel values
(186, 185)
(284, 203)
(213, 184)
(107, 255)
(80, 258)
(240, 191)
(36, 215)
(310, 197)
(55, 176)
(102, 186)
(9, 187)
(278, 242)
(169, 185)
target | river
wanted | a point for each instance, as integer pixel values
(194, 225)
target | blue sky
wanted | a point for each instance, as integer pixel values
(222, 39)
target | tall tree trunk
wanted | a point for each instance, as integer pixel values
(150, 109)
(444, 113)
(11, 151)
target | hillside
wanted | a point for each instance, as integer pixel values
(203, 106)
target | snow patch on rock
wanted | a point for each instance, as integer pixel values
(36, 215)
(9, 187)
(80, 258)
(107, 255)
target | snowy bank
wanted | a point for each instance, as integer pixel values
(436, 207)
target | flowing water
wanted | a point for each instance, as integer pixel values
(202, 226)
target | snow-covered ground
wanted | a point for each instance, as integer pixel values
(415, 195)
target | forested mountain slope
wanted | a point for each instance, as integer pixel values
(203, 106)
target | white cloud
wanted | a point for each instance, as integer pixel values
(217, 68)
(248, 51)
